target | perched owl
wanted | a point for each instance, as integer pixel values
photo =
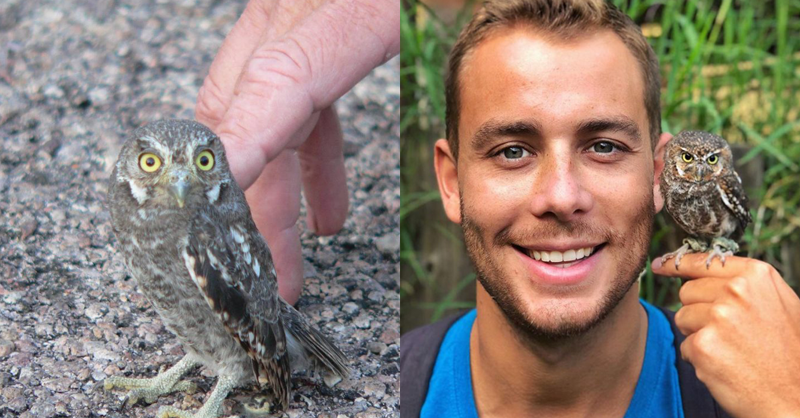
(188, 238)
(704, 195)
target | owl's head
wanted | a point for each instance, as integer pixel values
(698, 156)
(173, 163)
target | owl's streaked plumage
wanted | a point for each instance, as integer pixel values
(703, 194)
(189, 240)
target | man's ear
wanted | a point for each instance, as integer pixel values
(447, 176)
(658, 167)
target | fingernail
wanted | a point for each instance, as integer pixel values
(656, 264)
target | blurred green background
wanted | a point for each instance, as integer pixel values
(728, 67)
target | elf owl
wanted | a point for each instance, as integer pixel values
(704, 195)
(188, 239)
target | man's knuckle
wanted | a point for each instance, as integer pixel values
(679, 316)
(703, 343)
(737, 287)
(684, 292)
(283, 64)
(211, 104)
(759, 268)
(365, 14)
(719, 313)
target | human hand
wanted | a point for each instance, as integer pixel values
(742, 323)
(269, 96)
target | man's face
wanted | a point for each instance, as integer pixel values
(554, 164)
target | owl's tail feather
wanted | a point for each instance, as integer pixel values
(277, 374)
(316, 345)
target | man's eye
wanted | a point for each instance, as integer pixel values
(514, 153)
(603, 147)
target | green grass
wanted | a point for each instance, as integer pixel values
(731, 69)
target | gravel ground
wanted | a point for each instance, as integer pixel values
(75, 78)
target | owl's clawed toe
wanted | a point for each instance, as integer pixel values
(722, 247)
(677, 254)
(147, 390)
(212, 408)
(150, 389)
(717, 253)
(690, 245)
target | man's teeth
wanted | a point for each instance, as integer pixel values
(558, 256)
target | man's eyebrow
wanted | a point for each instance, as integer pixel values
(614, 124)
(493, 128)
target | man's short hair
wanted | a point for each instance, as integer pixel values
(561, 20)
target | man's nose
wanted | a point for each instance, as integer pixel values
(561, 190)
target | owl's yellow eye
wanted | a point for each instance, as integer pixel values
(687, 157)
(149, 162)
(713, 159)
(205, 160)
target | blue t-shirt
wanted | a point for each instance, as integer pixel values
(657, 393)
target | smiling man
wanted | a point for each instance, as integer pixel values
(551, 165)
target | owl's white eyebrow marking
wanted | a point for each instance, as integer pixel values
(712, 153)
(164, 151)
(139, 193)
(199, 138)
(190, 146)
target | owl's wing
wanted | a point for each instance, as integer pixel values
(732, 193)
(223, 261)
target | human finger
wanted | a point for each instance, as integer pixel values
(693, 266)
(705, 290)
(303, 72)
(691, 318)
(274, 200)
(216, 93)
(324, 177)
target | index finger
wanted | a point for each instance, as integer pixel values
(303, 72)
(693, 266)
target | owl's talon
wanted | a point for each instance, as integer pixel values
(717, 253)
(185, 386)
(210, 409)
(723, 247)
(149, 389)
(677, 254)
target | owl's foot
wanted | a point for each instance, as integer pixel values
(722, 247)
(690, 245)
(211, 409)
(150, 389)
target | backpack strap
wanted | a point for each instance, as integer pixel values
(697, 400)
(418, 351)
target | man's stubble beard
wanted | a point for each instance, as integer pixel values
(512, 306)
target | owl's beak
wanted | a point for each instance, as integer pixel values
(179, 187)
(699, 172)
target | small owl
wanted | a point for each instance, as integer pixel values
(704, 195)
(189, 240)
